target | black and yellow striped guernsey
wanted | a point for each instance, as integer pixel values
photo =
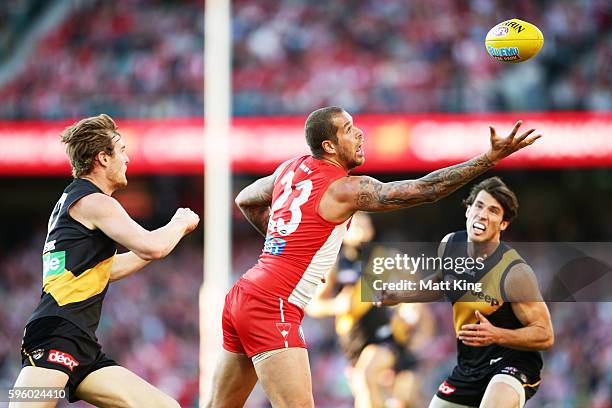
(76, 265)
(474, 363)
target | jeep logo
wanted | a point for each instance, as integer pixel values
(482, 296)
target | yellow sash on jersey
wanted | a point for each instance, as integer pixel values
(464, 309)
(67, 288)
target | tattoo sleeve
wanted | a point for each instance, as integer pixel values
(258, 217)
(374, 195)
(254, 201)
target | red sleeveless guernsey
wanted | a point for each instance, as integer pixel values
(300, 245)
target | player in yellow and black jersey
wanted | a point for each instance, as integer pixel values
(376, 341)
(60, 347)
(501, 328)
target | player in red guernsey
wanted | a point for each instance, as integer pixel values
(303, 209)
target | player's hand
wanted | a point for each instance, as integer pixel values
(502, 147)
(478, 335)
(188, 218)
(386, 298)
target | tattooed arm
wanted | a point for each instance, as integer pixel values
(255, 199)
(372, 195)
(362, 193)
(254, 202)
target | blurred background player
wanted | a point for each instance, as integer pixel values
(303, 209)
(60, 347)
(498, 342)
(376, 341)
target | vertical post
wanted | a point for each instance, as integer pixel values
(217, 183)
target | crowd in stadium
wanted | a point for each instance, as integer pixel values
(288, 57)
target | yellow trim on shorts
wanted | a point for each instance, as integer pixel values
(29, 357)
(532, 385)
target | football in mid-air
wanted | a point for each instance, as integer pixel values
(514, 41)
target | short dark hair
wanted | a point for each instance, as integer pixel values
(500, 191)
(320, 127)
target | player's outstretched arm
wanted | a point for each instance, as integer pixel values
(255, 199)
(364, 193)
(129, 262)
(99, 211)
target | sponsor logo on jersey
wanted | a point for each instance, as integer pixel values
(523, 378)
(53, 263)
(487, 298)
(37, 354)
(495, 360)
(274, 246)
(283, 329)
(446, 389)
(65, 359)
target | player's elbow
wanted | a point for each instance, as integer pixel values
(151, 253)
(242, 200)
(549, 341)
(239, 201)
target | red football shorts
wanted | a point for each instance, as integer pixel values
(253, 323)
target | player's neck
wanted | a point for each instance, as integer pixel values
(101, 182)
(482, 249)
(334, 161)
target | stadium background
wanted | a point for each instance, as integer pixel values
(141, 62)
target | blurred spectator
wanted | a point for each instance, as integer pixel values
(144, 58)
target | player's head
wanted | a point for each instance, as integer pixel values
(93, 144)
(330, 133)
(491, 206)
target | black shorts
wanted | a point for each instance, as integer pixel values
(459, 390)
(404, 359)
(58, 344)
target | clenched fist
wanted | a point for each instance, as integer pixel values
(188, 218)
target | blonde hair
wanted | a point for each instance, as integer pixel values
(85, 139)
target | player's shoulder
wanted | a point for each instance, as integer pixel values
(284, 165)
(520, 269)
(290, 164)
(447, 237)
(95, 203)
(455, 236)
(350, 187)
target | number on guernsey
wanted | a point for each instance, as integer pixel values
(279, 225)
(55, 215)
